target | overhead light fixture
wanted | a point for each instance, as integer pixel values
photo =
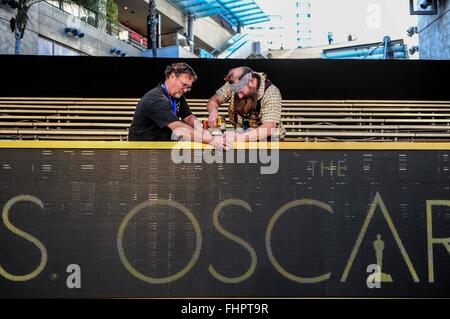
(75, 32)
(413, 49)
(117, 52)
(125, 8)
(423, 7)
(411, 31)
(424, 4)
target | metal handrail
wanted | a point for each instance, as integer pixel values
(228, 44)
(102, 22)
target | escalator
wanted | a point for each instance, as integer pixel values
(233, 47)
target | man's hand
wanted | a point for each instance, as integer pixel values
(213, 109)
(220, 143)
(231, 137)
(212, 119)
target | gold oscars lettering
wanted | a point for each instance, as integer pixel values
(214, 270)
(21, 233)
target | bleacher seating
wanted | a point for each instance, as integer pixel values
(304, 120)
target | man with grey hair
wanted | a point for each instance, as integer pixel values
(163, 112)
(254, 106)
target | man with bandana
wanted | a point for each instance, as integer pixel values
(254, 106)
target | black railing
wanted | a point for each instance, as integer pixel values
(103, 23)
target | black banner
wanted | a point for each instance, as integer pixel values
(315, 79)
(159, 223)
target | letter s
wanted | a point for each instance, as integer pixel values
(20, 233)
(236, 239)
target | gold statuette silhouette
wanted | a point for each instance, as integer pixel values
(378, 245)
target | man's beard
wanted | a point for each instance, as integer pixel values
(253, 95)
(247, 104)
(178, 95)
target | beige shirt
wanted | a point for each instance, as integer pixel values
(271, 103)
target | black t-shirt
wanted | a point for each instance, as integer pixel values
(153, 114)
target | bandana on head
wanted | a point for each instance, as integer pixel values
(242, 83)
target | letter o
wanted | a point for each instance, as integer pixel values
(183, 271)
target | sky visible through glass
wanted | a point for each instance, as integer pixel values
(367, 20)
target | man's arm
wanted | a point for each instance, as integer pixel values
(262, 132)
(187, 132)
(193, 122)
(213, 109)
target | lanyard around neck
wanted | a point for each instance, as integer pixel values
(173, 101)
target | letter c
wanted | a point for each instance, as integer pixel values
(272, 222)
